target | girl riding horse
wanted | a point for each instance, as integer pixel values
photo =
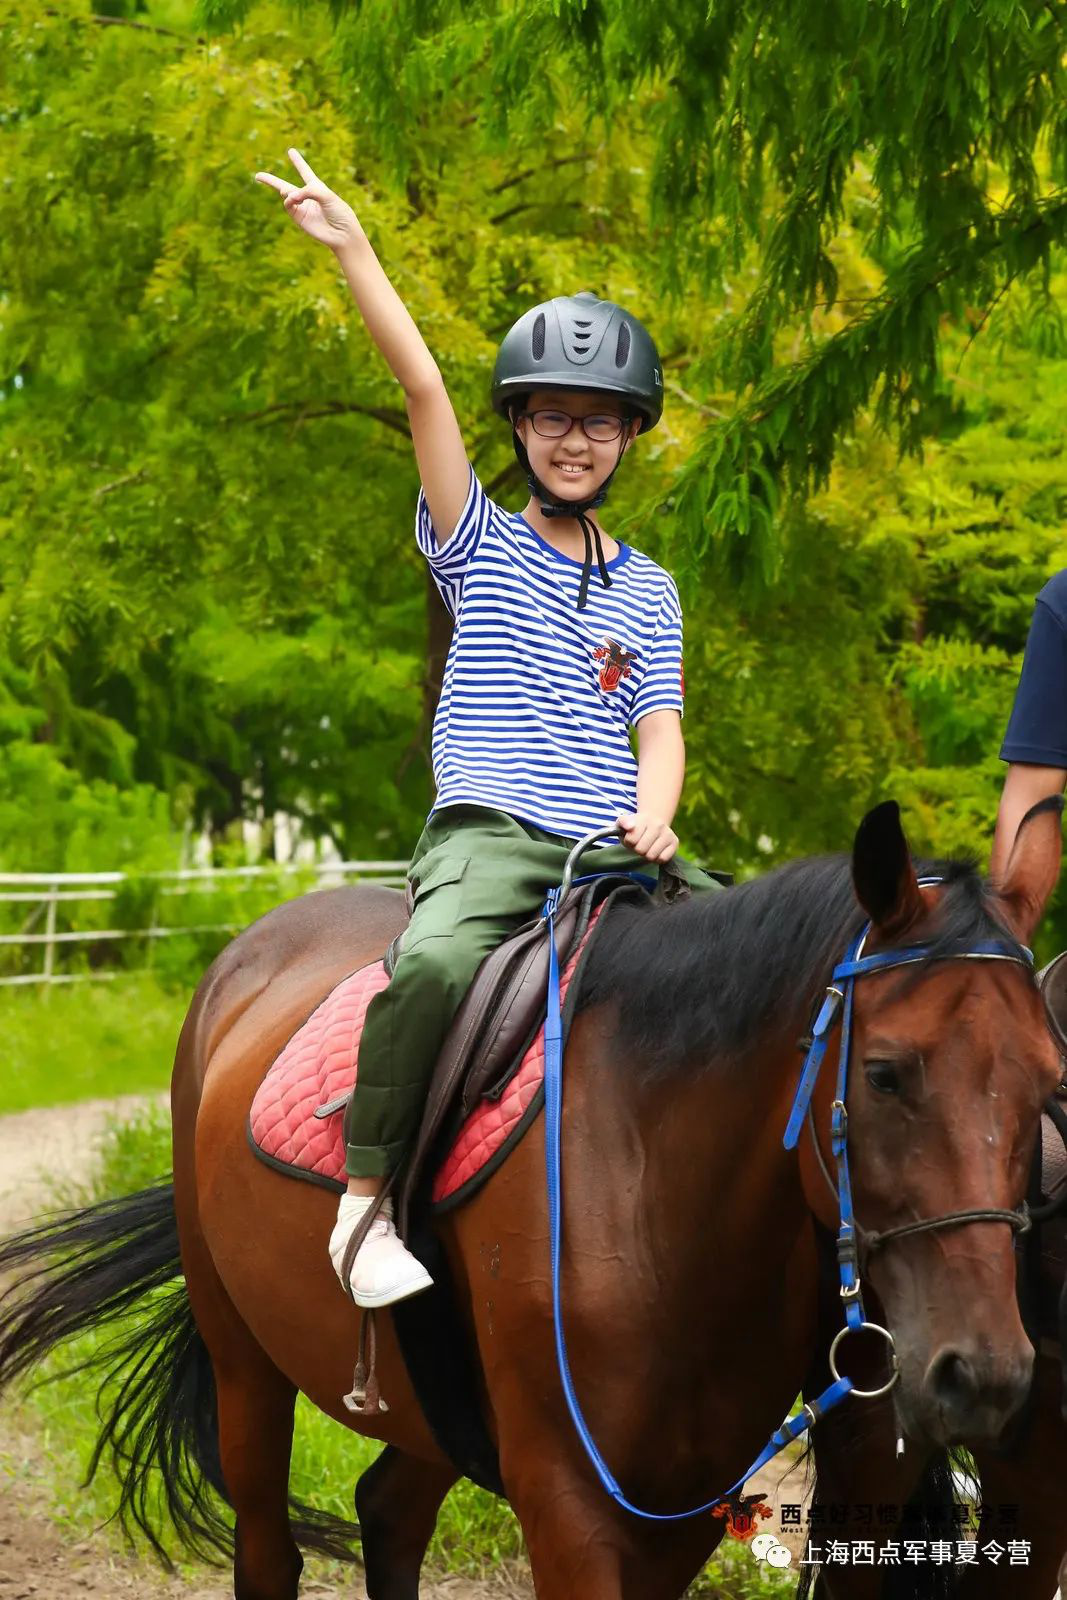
(546, 675)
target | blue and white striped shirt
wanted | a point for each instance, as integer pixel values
(538, 697)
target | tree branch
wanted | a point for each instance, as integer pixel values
(119, 483)
(395, 420)
(689, 400)
(125, 22)
(533, 172)
(986, 314)
(513, 211)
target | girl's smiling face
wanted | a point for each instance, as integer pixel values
(570, 463)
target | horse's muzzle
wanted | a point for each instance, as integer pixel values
(969, 1397)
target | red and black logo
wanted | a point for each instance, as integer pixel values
(614, 663)
(741, 1512)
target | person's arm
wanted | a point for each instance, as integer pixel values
(1024, 786)
(656, 712)
(439, 449)
(1035, 742)
(660, 771)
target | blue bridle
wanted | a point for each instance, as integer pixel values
(838, 1003)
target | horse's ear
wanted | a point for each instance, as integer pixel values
(1033, 867)
(882, 873)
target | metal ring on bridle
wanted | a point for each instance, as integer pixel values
(875, 1327)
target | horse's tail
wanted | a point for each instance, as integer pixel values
(929, 1514)
(114, 1269)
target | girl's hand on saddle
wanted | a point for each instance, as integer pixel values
(649, 836)
(313, 207)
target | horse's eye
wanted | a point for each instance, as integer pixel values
(882, 1075)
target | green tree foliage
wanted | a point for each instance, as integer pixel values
(953, 116)
(884, 659)
(982, 519)
(185, 561)
(207, 526)
(208, 582)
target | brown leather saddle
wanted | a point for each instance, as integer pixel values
(504, 1007)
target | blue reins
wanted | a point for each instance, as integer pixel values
(838, 1002)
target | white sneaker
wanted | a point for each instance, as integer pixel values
(384, 1269)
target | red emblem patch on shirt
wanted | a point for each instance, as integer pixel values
(614, 663)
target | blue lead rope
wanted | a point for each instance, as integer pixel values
(791, 1428)
(838, 1001)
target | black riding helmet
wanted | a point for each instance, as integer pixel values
(578, 342)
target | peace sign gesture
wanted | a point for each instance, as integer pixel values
(316, 209)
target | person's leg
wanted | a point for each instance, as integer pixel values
(402, 1032)
(473, 884)
(470, 888)
(406, 1021)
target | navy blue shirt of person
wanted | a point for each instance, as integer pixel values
(1035, 743)
(1037, 728)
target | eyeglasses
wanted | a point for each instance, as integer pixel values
(602, 429)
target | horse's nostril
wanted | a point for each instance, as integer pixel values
(952, 1380)
(973, 1396)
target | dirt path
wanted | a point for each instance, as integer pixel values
(41, 1148)
(37, 1561)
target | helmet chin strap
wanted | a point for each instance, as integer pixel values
(553, 506)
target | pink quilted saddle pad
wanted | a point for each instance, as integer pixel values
(319, 1066)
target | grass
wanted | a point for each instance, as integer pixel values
(476, 1533)
(82, 1040)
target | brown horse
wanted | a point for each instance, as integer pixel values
(1020, 1478)
(690, 1263)
(1021, 1490)
(1019, 1475)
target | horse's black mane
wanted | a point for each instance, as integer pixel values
(701, 980)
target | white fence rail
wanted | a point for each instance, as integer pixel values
(46, 892)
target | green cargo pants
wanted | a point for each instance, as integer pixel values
(476, 875)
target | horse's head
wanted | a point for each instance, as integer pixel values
(951, 1061)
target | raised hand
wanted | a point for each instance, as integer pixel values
(314, 207)
(439, 448)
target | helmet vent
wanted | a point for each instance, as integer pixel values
(539, 337)
(622, 348)
(578, 323)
